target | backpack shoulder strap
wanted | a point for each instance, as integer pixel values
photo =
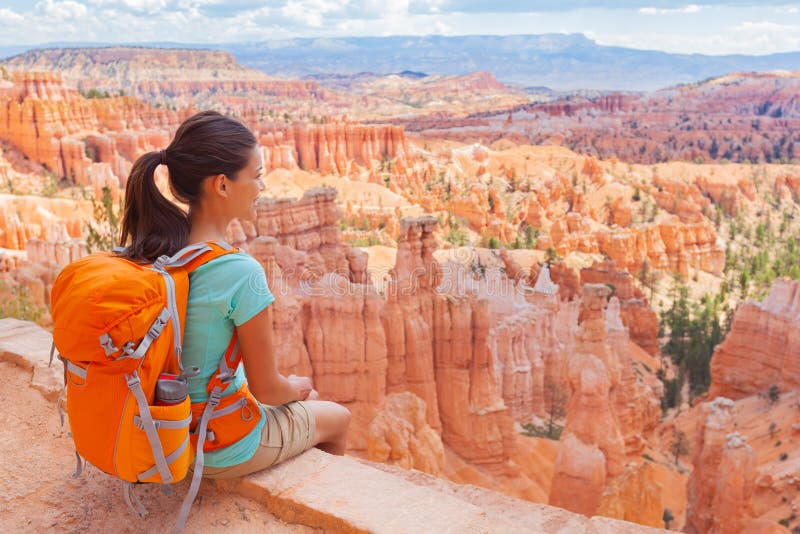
(193, 256)
(228, 364)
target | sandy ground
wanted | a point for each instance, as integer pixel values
(37, 493)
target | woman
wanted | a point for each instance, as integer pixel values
(215, 168)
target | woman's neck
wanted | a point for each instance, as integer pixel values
(206, 226)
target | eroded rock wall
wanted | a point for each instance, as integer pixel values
(762, 348)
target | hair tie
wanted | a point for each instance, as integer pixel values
(163, 157)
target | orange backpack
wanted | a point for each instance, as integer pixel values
(118, 326)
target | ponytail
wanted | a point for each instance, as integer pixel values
(155, 225)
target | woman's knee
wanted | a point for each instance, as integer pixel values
(338, 418)
(331, 419)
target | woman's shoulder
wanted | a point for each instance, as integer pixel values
(238, 262)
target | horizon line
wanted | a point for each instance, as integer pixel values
(188, 45)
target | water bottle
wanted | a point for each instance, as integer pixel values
(171, 389)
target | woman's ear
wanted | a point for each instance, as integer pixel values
(218, 185)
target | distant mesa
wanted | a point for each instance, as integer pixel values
(558, 61)
(412, 74)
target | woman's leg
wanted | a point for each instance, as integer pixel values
(331, 421)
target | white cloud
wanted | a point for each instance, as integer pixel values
(67, 9)
(148, 6)
(7, 15)
(766, 26)
(441, 28)
(136, 5)
(691, 8)
(748, 37)
(308, 12)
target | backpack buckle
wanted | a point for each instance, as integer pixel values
(132, 380)
(156, 328)
(108, 344)
(226, 377)
(214, 397)
(160, 262)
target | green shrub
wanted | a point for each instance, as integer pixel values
(103, 230)
(16, 301)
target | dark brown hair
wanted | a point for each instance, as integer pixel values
(206, 144)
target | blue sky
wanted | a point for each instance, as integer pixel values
(709, 27)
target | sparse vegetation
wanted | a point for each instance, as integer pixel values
(16, 301)
(456, 235)
(95, 93)
(103, 230)
(774, 394)
(668, 518)
(366, 241)
(50, 186)
(556, 407)
(679, 446)
(526, 237)
(693, 330)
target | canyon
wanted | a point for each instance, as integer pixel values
(737, 117)
(487, 310)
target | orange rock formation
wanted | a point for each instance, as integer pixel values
(637, 316)
(330, 147)
(722, 482)
(762, 348)
(609, 410)
(89, 141)
(400, 435)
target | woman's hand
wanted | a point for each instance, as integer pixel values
(303, 386)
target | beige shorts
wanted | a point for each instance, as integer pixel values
(288, 430)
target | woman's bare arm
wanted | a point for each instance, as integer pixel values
(265, 382)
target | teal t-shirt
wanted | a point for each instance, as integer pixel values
(223, 293)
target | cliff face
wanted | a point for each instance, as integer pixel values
(89, 141)
(528, 356)
(762, 348)
(157, 74)
(410, 341)
(669, 245)
(635, 312)
(439, 362)
(744, 434)
(723, 479)
(609, 410)
(438, 348)
(94, 141)
(592, 446)
(330, 148)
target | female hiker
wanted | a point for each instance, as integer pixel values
(214, 165)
